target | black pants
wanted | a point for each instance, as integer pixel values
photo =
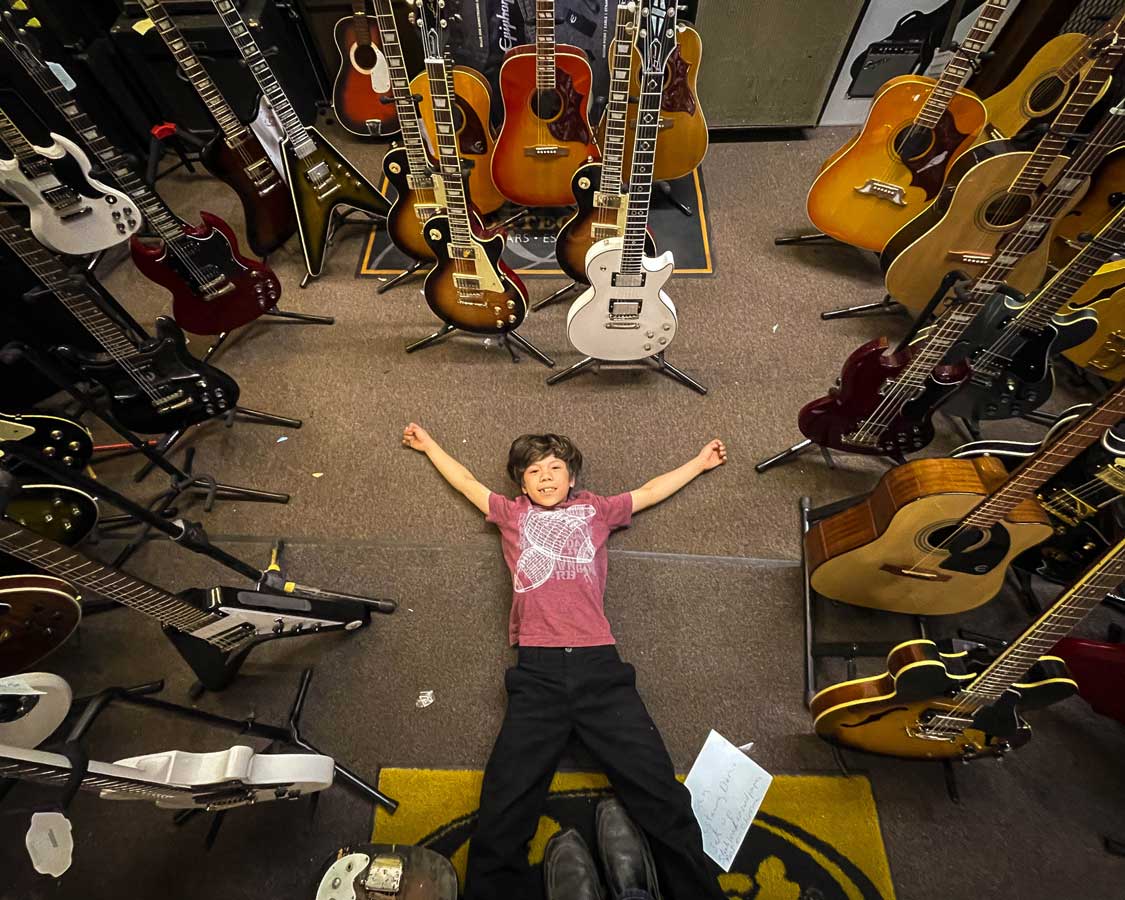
(552, 693)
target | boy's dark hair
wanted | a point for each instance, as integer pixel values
(530, 448)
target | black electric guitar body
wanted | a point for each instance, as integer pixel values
(60, 438)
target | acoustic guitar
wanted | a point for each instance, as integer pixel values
(937, 535)
(896, 165)
(362, 90)
(546, 135)
(933, 703)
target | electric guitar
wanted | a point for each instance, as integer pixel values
(1101, 200)
(546, 133)
(32, 708)
(625, 313)
(932, 704)
(597, 186)
(896, 165)
(153, 385)
(320, 177)
(884, 403)
(1103, 296)
(469, 286)
(71, 212)
(176, 779)
(378, 871)
(989, 191)
(1099, 670)
(362, 89)
(247, 158)
(37, 616)
(214, 287)
(937, 535)
(57, 437)
(213, 630)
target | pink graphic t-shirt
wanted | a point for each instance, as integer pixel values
(558, 563)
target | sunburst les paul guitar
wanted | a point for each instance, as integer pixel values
(895, 167)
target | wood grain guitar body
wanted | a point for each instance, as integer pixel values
(411, 207)
(887, 713)
(882, 552)
(1037, 91)
(890, 172)
(963, 231)
(362, 82)
(474, 130)
(1104, 294)
(536, 157)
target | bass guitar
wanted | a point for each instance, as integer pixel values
(896, 165)
(214, 287)
(932, 703)
(320, 177)
(362, 91)
(990, 190)
(246, 158)
(546, 133)
(152, 385)
(71, 212)
(469, 286)
(937, 535)
(598, 186)
(625, 313)
(37, 616)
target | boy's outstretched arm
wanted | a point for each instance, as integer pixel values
(417, 438)
(664, 486)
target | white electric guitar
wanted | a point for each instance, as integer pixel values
(625, 313)
(70, 211)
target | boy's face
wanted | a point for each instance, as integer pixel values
(547, 481)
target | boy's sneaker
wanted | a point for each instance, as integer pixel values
(625, 854)
(569, 872)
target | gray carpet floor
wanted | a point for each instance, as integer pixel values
(704, 591)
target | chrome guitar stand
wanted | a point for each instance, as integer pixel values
(656, 361)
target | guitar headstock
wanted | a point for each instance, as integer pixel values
(433, 21)
(657, 35)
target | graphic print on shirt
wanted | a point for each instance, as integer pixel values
(555, 542)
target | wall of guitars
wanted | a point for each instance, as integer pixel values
(999, 233)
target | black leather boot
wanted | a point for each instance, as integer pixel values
(626, 856)
(569, 872)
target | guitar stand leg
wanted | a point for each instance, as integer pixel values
(514, 337)
(245, 414)
(166, 444)
(302, 318)
(666, 190)
(577, 369)
(401, 276)
(511, 220)
(887, 306)
(951, 782)
(220, 340)
(432, 339)
(666, 368)
(1113, 846)
(1037, 417)
(555, 297)
(812, 237)
(1021, 581)
(841, 763)
(784, 456)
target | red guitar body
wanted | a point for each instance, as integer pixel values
(214, 287)
(1099, 669)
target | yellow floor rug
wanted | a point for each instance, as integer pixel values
(816, 836)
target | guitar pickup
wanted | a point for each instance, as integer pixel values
(76, 214)
(321, 179)
(970, 257)
(426, 211)
(600, 232)
(607, 200)
(625, 309)
(468, 287)
(622, 279)
(420, 182)
(262, 174)
(546, 151)
(883, 191)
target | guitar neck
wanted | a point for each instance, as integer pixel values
(14, 138)
(1049, 461)
(449, 158)
(1069, 69)
(545, 45)
(617, 108)
(957, 70)
(640, 178)
(256, 62)
(190, 65)
(361, 22)
(55, 769)
(405, 106)
(1056, 623)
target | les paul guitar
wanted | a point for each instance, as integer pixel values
(362, 91)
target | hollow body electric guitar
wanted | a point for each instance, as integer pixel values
(362, 89)
(320, 177)
(246, 158)
(38, 614)
(1103, 296)
(895, 167)
(57, 437)
(469, 286)
(71, 212)
(546, 133)
(625, 313)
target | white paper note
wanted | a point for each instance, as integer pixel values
(726, 788)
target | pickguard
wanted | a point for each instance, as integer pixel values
(570, 126)
(677, 91)
(983, 559)
(875, 717)
(928, 171)
(471, 137)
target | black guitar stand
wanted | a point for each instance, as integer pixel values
(341, 217)
(169, 134)
(656, 362)
(811, 237)
(285, 314)
(558, 295)
(665, 188)
(885, 307)
(507, 339)
(415, 267)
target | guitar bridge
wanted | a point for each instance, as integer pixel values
(215, 289)
(322, 181)
(426, 211)
(855, 440)
(262, 175)
(883, 190)
(546, 151)
(1111, 354)
(969, 257)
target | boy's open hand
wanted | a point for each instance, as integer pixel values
(714, 454)
(416, 437)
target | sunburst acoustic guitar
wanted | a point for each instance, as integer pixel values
(363, 81)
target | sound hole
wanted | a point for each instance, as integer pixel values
(1007, 209)
(458, 117)
(365, 56)
(913, 142)
(967, 538)
(546, 104)
(1045, 95)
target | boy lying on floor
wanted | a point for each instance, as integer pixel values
(569, 678)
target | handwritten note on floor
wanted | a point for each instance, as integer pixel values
(726, 788)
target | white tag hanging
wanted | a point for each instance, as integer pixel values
(50, 843)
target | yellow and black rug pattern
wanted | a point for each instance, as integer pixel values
(816, 837)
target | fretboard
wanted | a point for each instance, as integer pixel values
(55, 769)
(545, 45)
(1072, 607)
(361, 22)
(263, 74)
(1050, 460)
(617, 107)
(405, 107)
(189, 64)
(449, 159)
(958, 69)
(14, 138)
(640, 178)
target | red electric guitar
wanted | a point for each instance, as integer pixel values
(1099, 669)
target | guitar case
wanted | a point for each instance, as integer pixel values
(387, 872)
